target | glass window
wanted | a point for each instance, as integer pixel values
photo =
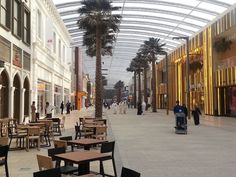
(59, 49)
(64, 53)
(17, 18)
(26, 33)
(54, 42)
(5, 13)
(39, 24)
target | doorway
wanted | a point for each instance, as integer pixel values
(4, 95)
(16, 102)
(26, 101)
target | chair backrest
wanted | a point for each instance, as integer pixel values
(108, 147)
(66, 138)
(4, 151)
(101, 130)
(60, 143)
(52, 152)
(34, 131)
(3, 141)
(126, 172)
(44, 162)
(55, 172)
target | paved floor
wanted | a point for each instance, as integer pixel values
(149, 145)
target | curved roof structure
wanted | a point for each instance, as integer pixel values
(163, 19)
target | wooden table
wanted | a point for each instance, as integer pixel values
(86, 143)
(82, 158)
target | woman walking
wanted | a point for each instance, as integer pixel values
(195, 112)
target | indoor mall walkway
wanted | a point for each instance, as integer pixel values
(149, 145)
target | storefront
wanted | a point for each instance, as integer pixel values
(43, 95)
(226, 91)
(57, 98)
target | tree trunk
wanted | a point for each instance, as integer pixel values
(145, 86)
(118, 95)
(139, 87)
(154, 106)
(98, 79)
(135, 101)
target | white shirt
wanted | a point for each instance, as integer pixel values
(49, 109)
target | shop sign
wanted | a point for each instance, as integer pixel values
(41, 86)
(17, 56)
(5, 49)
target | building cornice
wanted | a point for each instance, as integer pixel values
(57, 18)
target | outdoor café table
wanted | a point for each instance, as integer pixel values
(82, 158)
(85, 142)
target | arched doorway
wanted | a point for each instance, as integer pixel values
(16, 84)
(4, 94)
(26, 96)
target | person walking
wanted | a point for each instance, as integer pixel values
(33, 112)
(68, 107)
(196, 112)
(139, 108)
(48, 110)
(143, 107)
(62, 107)
(185, 112)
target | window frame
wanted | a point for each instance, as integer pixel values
(7, 26)
(28, 39)
(19, 20)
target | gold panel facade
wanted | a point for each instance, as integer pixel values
(208, 72)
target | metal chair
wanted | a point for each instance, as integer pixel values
(67, 169)
(3, 156)
(126, 172)
(54, 172)
(108, 147)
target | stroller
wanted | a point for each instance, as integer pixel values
(181, 124)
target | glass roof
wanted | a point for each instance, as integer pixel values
(162, 19)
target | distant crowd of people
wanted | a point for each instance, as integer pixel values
(49, 109)
(120, 107)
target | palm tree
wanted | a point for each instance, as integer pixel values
(140, 64)
(132, 68)
(145, 67)
(151, 48)
(119, 86)
(100, 27)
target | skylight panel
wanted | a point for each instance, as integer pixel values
(153, 14)
(161, 7)
(202, 15)
(196, 22)
(146, 26)
(144, 31)
(211, 7)
(185, 2)
(188, 28)
(150, 21)
(70, 16)
(183, 32)
(231, 2)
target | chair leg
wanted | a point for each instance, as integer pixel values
(114, 167)
(101, 168)
(6, 169)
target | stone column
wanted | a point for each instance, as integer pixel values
(22, 105)
(11, 102)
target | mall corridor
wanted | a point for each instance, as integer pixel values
(148, 144)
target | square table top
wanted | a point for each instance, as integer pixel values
(82, 156)
(86, 141)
